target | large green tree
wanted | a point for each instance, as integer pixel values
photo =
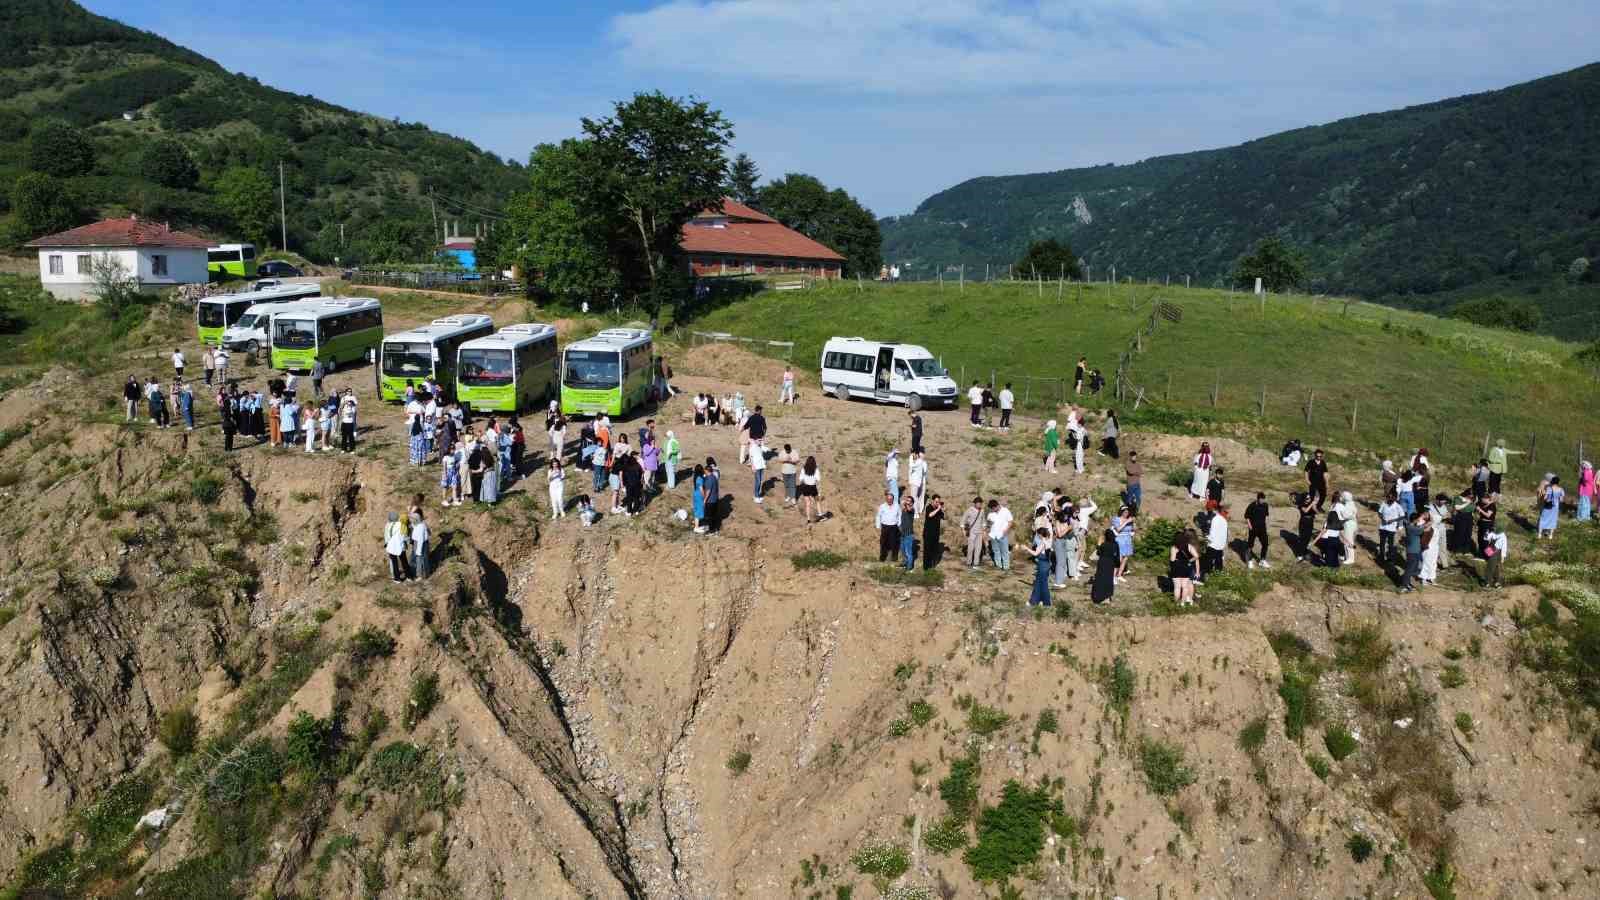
(41, 205)
(557, 234)
(1049, 258)
(166, 162)
(830, 217)
(245, 194)
(657, 160)
(1279, 266)
(56, 148)
(742, 178)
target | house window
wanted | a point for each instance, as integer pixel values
(84, 265)
(158, 264)
(55, 264)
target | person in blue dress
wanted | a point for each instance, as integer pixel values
(1122, 527)
(1550, 496)
(699, 511)
(1040, 551)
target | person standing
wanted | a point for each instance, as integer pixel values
(1586, 491)
(394, 544)
(318, 370)
(419, 544)
(1108, 440)
(1390, 515)
(556, 479)
(891, 473)
(1182, 568)
(1008, 400)
(1495, 546)
(228, 409)
(1317, 478)
(1133, 494)
(756, 427)
(1216, 543)
(758, 465)
(1497, 460)
(1000, 520)
(177, 364)
(1201, 471)
(789, 467)
(975, 400)
(1255, 516)
(1104, 588)
(1122, 527)
(1346, 509)
(1215, 486)
(1432, 543)
(130, 398)
(290, 380)
(221, 357)
(1550, 496)
(1487, 513)
(347, 422)
(208, 361)
(973, 527)
(697, 500)
(1420, 465)
(888, 522)
(786, 391)
(1065, 546)
(932, 540)
(450, 474)
(908, 532)
(186, 405)
(916, 430)
(1331, 543)
(671, 457)
(1415, 527)
(1306, 527)
(1405, 487)
(809, 490)
(1039, 549)
(1052, 443)
(917, 479)
(1077, 375)
(1079, 435)
(1480, 480)
(711, 489)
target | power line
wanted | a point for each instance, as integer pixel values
(469, 207)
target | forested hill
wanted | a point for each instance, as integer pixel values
(1490, 193)
(62, 64)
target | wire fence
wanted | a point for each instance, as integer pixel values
(783, 350)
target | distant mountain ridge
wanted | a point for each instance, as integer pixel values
(371, 175)
(1423, 206)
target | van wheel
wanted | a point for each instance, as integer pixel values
(914, 402)
(842, 392)
(252, 347)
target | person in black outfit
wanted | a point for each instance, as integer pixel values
(1330, 544)
(1104, 586)
(633, 483)
(756, 425)
(1317, 479)
(1215, 486)
(916, 432)
(1255, 515)
(1307, 507)
(230, 412)
(932, 522)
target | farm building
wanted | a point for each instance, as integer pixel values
(464, 249)
(151, 253)
(737, 239)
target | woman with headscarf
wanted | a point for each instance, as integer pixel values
(698, 500)
(1550, 496)
(1105, 569)
(1442, 518)
(632, 485)
(1586, 488)
(1052, 443)
(1346, 510)
(1388, 478)
(489, 488)
(1433, 537)
(1202, 471)
(1461, 526)
(1039, 549)
(1419, 465)
(1108, 437)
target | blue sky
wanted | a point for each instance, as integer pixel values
(893, 99)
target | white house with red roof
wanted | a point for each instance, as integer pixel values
(152, 253)
(737, 239)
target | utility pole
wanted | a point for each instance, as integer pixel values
(283, 221)
(435, 209)
(341, 235)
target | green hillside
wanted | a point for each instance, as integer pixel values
(1442, 383)
(60, 62)
(1421, 207)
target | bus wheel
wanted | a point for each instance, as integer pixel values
(914, 402)
(842, 392)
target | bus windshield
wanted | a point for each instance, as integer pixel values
(926, 367)
(403, 360)
(485, 368)
(211, 315)
(593, 369)
(294, 333)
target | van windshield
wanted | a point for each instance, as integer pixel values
(926, 367)
(246, 322)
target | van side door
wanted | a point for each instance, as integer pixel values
(882, 378)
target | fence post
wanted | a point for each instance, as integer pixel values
(1533, 448)
(962, 288)
(1216, 390)
(1263, 404)
(1485, 452)
(1027, 389)
(1355, 406)
(1311, 402)
(1166, 395)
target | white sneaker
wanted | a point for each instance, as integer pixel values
(1252, 564)
(758, 499)
(1265, 564)
(700, 529)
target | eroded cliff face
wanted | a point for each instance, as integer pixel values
(631, 710)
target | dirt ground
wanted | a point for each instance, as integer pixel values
(600, 685)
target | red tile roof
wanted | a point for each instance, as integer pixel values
(129, 232)
(750, 233)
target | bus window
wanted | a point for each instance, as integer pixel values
(593, 369)
(222, 256)
(404, 360)
(294, 333)
(485, 367)
(211, 315)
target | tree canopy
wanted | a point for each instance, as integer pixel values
(56, 148)
(1279, 266)
(1498, 312)
(556, 234)
(41, 205)
(167, 163)
(1049, 258)
(742, 178)
(245, 194)
(830, 217)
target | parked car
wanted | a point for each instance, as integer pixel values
(277, 268)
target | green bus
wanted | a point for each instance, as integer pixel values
(226, 261)
(213, 315)
(334, 331)
(608, 373)
(510, 371)
(412, 356)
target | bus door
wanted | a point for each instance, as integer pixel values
(880, 384)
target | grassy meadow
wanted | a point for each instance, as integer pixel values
(1442, 383)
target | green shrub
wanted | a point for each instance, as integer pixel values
(396, 767)
(888, 861)
(1340, 743)
(921, 712)
(1301, 708)
(1119, 680)
(1179, 477)
(1451, 676)
(178, 730)
(1360, 847)
(985, 720)
(817, 559)
(1011, 833)
(959, 789)
(1047, 723)
(1163, 767)
(946, 836)
(370, 643)
(1319, 766)
(424, 697)
(739, 762)
(1362, 649)
(1155, 539)
(1253, 735)
(1441, 881)
(206, 489)
(309, 746)
(1465, 724)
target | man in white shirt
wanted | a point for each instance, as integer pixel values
(999, 519)
(347, 422)
(208, 361)
(975, 399)
(222, 365)
(1390, 515)
(917, 478)
(1007, 401)
(891, 474)
(1216, 543)
(177, 362)
(888, 522)
(419, 545)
